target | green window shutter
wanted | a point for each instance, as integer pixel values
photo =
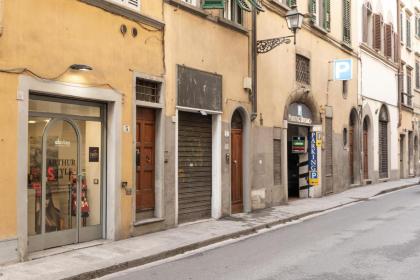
(312, 10)
(291, 3)
(243, 5)
(213, 4)
(257, 5)
(327, 15)
(346, 21)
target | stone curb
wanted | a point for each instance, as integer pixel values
(183, 249)
(396, 189)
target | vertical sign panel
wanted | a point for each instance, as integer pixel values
(313, 160)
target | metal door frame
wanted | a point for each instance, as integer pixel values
(80, 234)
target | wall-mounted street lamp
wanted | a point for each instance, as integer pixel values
(80, 67)
(294, 23)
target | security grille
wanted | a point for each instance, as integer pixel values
(303, 74)
(147, 90)
(383, 149)
(329, 183)
(277, 161)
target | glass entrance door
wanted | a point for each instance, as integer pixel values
(65, 188)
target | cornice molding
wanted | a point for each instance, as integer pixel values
(127, 13)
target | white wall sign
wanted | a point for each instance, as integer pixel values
(343, 69)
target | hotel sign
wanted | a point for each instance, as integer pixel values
(299, 113)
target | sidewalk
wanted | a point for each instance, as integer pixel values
(102, 258)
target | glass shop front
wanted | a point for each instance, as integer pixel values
(66, 186)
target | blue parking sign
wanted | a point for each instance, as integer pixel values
(343, 69)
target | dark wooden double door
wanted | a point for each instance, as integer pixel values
(145, 159)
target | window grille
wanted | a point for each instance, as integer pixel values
(147, 90)
(303, 69)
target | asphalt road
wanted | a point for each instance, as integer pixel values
(376, 239)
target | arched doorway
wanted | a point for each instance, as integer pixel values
(383, 142)
(299, 126)
(352, 146)
(237, 163)
(365, 148)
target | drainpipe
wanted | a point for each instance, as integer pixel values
(254, 65)
(399, 73)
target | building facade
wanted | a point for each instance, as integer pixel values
(298, 96)
(379, 57)
(409, 84)
(67, 135)
(122, 118)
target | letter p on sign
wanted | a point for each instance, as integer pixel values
(343, 69)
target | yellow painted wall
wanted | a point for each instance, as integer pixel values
(206, 46)
(8, 151)
(406, 120)
(46, 37)
(276, 71)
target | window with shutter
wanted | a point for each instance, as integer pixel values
(388, 40)
(396, 48)
(417, 74)
(132, 4)
(401, 81)
(289, 3)
(327, 15)
(312, 10)
(233, 11)
(418, 26)
(191, 2)
(408, 31)
(346, 21)
(409, 103)
(401, 27)
(377, 33)
(320, 11)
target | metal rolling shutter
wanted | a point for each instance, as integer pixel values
(383, 149)
(194, 167)
(329, 188)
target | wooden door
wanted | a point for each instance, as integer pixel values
(145, 159)
(236, 172)
(351, 153)
(365, 154)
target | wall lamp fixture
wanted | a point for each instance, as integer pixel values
(81, 67)
(294, 21)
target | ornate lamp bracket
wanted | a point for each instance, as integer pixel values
(264, 46)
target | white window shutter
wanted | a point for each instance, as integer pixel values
(133, 4)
